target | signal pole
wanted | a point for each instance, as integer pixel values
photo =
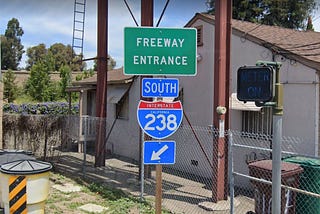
(277, 137)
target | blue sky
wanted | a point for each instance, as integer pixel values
(51, 21)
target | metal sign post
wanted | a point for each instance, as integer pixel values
(158, 188)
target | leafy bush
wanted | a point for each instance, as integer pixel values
(55, 108)
(10, 90)
(39, 85)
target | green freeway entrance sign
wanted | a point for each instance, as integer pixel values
(160, 51)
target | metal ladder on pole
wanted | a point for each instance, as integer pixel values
(78, 27)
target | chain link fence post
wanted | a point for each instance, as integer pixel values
(231, 178)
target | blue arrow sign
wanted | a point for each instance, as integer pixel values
(159, 119)
(160, 87)
(159, 152)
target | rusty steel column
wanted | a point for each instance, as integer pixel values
(146, 20)
(227, 95)
(221, 96)
(101, 96)
(147, 13)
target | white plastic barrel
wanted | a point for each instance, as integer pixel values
(9, 155)
(35, 175)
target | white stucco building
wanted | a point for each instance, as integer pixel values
(299, 54)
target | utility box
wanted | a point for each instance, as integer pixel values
(25, 186)
(290, 174)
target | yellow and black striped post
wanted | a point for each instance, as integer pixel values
(18, 195)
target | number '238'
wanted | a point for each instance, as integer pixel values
(165, 122)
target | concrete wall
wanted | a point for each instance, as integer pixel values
(22, 76)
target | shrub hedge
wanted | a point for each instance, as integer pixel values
(48, 108)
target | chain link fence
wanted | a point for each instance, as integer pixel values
(252, 174)
(188, 186)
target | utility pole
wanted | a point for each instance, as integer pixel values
(102, 61)
(223, 9)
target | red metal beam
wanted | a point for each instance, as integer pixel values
(221, 93)
(146, 12)
(102, 62)
(146, 20)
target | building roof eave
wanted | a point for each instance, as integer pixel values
(271, 38)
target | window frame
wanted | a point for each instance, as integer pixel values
(122, 108)
(199, 29)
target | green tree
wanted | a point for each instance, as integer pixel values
(309, 24)
(77, 63)
(285, 13)
(39, 85)
(288, 13)
(247, 10)
(65, 75)
(65, 55)
(56, 56)
(86, 74)
(111, 64)
(36, 54)
(61, 54)
(11, 47)
(10, 89)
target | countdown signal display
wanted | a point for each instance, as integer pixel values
(255, 83)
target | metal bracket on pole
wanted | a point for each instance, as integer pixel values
(277, 102)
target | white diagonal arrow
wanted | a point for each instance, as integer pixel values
(156, 155)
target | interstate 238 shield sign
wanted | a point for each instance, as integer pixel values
(159, 119)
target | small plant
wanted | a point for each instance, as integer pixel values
(106, 192)
(74, 205)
